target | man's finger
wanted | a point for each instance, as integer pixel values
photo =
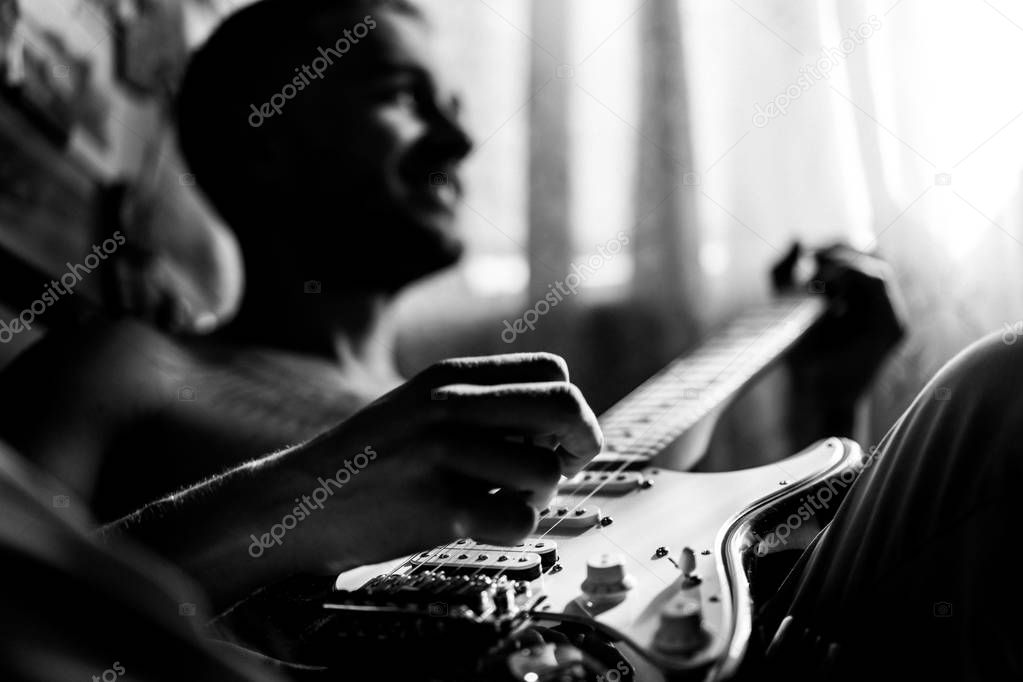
(503, 464)
(495, 369)
(848, 258)
(500, 518)
(555, 408)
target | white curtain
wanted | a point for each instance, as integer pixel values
(712, 134)
(896, 126)
(910, 145)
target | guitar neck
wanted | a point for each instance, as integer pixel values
(665, 406)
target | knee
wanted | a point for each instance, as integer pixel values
(971, 413)
(987, 374)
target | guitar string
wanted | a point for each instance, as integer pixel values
(441, 551)
(787, 309)
(793, 312)
(682, 423)
(742, 378)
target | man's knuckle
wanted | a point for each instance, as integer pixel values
(553, 364)
(570, 398)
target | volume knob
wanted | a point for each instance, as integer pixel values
(681, 628)
(606, 578)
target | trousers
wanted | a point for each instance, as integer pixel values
(915, 576)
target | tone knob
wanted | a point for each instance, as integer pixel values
(681, 627)
(606, 577)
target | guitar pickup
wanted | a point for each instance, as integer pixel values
(568, 518)
(455, 561)
(606, 481)
(546, 549)
(608, 461)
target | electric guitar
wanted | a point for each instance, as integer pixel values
(637, 569)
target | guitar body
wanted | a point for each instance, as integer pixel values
(637, 568)
(646, 528)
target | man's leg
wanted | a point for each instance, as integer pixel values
(918, 572)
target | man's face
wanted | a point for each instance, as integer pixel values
(377, 154)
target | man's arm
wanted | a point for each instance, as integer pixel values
(415, 469)
(66, 398)
(205, 528)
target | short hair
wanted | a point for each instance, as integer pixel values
(252, 52)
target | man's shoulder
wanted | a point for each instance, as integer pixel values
(100, 356)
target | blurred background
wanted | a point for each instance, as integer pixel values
(710, 135)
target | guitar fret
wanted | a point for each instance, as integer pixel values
(662, 408)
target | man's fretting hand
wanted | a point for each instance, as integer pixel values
(834, 364)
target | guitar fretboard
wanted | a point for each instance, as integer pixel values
(662, 408)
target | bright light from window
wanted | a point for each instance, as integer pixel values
(491, 275)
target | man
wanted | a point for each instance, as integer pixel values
(432, 450)
(315, 133)
(333, 206)
(370, 124)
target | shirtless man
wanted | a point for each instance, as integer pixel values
(926, 524)
(334, 189)
(418, 466)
